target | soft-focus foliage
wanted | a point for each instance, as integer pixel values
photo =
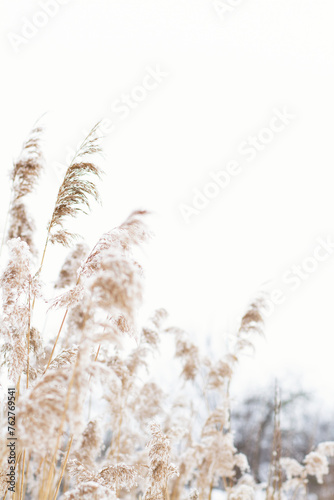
(94, 418)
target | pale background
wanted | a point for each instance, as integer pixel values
(225, 77)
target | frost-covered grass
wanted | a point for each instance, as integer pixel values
(92, 419)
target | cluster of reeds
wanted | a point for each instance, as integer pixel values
(92, 419)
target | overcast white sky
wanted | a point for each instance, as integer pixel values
(223, 77)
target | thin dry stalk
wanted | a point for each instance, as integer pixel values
(210, 490)
(275, 470)
(41, 493)
(22, 476)
(27, 475)
(63, 468)
(28, 336)
(56, 341)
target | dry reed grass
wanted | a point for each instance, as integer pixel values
(63, 450)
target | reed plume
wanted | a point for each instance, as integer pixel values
(160, 470)
(76, 189)
(24, 176)
(110, 274)
(27, 168)
(112, 477)
(120, 240)
(90, 444)
(48, 393)
(68, 273)
(18, 287)
(89, 490)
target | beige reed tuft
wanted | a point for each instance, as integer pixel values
(111, 405)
